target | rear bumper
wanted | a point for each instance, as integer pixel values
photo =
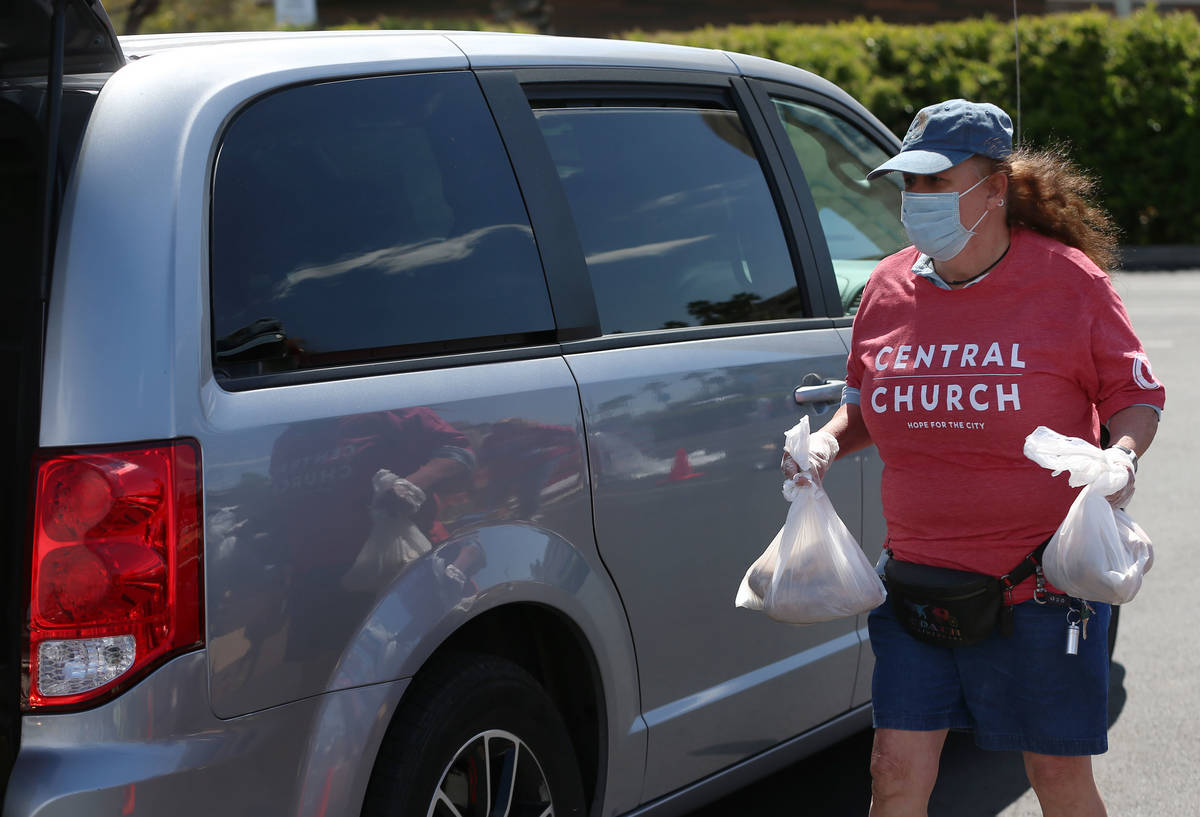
(159, 750)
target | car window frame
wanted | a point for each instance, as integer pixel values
(516, 93)
(764, 92)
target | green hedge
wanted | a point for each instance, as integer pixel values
(439, 23)
(1122, 94)
(256, 15)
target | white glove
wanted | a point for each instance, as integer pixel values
(1121, 457)
(822, 450)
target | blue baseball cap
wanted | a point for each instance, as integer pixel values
(950, 132)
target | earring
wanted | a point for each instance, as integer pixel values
(1000, 203)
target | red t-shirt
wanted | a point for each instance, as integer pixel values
(952, 381)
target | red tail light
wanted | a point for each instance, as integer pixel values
(116, 569)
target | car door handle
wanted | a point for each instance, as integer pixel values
(828, 392)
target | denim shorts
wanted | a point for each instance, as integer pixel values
(1016, 693)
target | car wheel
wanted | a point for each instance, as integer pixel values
(476, 734)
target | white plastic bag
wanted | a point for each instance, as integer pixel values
(813, 570)
(1097, 553)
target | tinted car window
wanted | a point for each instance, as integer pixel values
(369, 219)
(675, 216)
(860, 219)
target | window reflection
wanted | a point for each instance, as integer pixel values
(673, 211)
(369, 219)
(860, 219)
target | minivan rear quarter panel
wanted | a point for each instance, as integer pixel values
(127, 352)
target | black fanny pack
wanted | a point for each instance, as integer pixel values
(954, 608)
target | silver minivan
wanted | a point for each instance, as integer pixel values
(392, 417)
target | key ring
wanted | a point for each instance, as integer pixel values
(1073, 612)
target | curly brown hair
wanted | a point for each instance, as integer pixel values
(1049, 195)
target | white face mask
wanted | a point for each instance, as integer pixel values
(933, 223)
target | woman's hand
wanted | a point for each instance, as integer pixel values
(1131, 429)
(845, 433)
(822, 451)
(1121, 498)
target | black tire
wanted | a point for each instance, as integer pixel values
(460, 712)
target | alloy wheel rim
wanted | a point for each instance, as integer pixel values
(494, 774)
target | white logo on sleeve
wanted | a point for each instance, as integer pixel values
(1142, 374)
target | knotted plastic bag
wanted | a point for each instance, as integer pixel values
(1097, 553)
(813, 570)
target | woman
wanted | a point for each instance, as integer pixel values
(999, 319)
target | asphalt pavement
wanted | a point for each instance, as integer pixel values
(1152, 768)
